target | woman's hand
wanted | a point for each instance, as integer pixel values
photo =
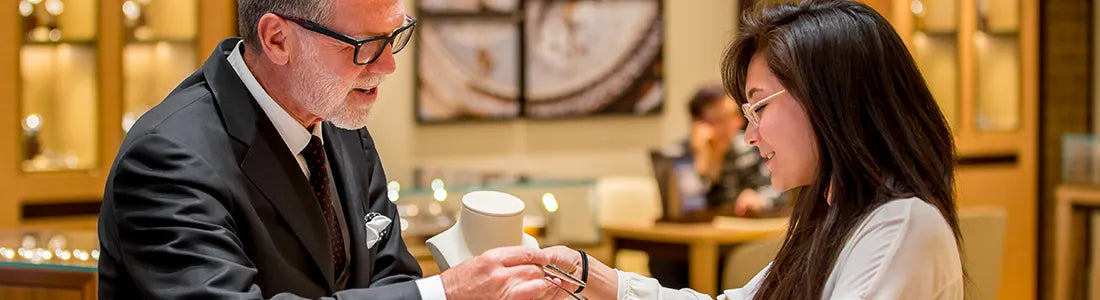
(603, 281)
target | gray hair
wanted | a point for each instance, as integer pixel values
(250, 11)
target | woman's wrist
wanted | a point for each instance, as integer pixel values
(603, 281)
(584, 269)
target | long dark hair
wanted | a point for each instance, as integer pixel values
(880, 134)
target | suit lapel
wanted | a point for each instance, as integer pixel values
(274, 171)
(268, 163)
(352, 177)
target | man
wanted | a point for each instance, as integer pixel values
(732, 170)
(255, 178)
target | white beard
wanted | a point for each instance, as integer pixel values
(323, 95)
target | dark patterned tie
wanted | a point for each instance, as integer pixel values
(314, 154)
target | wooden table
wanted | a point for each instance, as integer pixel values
(703, 241)
(1069, 197)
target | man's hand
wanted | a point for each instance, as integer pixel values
(702, 135)
(501, 273)
(748, 201)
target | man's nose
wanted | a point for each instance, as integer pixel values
(385, 64)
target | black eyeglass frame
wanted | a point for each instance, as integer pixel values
(410, 24)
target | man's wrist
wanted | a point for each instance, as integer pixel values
(431, 288)
(447, 284)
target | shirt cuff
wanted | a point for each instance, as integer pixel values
(431, 288)
(635, 287)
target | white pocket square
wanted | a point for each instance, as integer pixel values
(377, 224)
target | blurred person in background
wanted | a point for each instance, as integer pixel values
(731, 171)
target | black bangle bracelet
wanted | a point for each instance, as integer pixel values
(584, 270)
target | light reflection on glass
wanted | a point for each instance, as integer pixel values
(917, 7)
(32, 123)
(80, 254)
(550, 202)
(440, 195)
(55, 35)
(393, 191)
(7, 253)
(25, 8)
(131, 10)
(43, 254)
(63, 254)
(55, 7)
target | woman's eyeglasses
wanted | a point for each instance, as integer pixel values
(751, 110)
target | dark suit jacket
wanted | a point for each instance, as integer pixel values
(205, 201)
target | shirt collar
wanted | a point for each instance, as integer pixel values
(294, 135)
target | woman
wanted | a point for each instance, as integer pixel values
(837, 107)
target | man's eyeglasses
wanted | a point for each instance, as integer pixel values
(367, 50)
(751, 110)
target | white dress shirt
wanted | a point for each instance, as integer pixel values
(297, 137)
(902, 250)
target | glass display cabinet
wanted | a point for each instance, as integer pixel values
(75, 74)
(997, 60)
(935, 48)
(59, 92)
(161, 40)
(980, 59)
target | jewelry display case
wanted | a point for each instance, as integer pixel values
(48, 264)
(59, 92)
(160, 51)
(76, 73)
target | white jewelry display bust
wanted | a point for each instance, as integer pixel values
(487, 220)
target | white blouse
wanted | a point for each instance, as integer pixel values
(902, 250)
